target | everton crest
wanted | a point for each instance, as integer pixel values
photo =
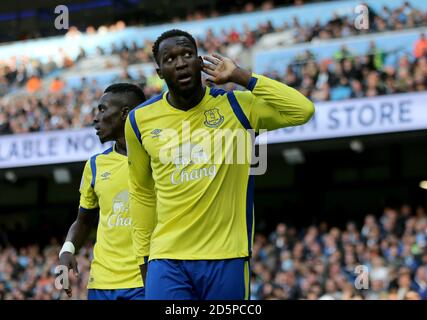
(213, 119)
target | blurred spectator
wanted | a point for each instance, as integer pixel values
(376, 55)
(420, 282)
(73, 32)
(33, 84)
(420, 48)
(56, 85)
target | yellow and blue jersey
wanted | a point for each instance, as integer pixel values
(104, 186)
(187, 208)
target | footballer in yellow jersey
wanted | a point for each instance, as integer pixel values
(114, 272)
(193, 215)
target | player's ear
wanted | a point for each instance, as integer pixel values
(125, 112)
(159, 73)
(201, 61)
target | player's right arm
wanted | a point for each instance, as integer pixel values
(80, 229)
(142, 197)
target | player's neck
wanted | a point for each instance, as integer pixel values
(186, 102)
(120, 146)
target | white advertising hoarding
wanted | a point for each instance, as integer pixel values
(346, 118)
(40, 148)
(355, 117)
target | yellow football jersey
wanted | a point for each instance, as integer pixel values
(105, 186)
(184, 203)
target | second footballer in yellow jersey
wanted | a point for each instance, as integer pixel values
(104, 193)
(193, 215)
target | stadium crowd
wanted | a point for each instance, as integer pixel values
(317, 262)
(346, 75)
(19, 71)
(321, 262)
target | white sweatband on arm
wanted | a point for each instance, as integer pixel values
(67, 247)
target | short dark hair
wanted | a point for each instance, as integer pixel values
(126, 88)
(170, 34)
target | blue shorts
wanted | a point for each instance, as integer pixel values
(116, 294)
(198, 279)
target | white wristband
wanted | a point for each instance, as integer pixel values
(67, 247)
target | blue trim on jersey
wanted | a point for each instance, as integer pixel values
(250, 211)
(84, 210)
(134, 125)
(237, 109)
(108, 150)
(215, 92)
(252, 83)
(93, 169)
(93, 165)
(132, 114)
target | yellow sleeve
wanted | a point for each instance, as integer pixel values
(88, 197)
(272, 105)
(142, 197)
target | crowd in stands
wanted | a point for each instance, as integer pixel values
(55, 110)
(382, 257)
(402, 17)
(17, 71)
(29, 272)
(49, 106)
(344, 76)
(59, 109)
(385, 258)
(348, 75)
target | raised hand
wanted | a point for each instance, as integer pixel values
(219, 69)
(222, 70)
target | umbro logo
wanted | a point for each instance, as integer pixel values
(106, 175)
(156, 133)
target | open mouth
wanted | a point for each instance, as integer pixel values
(184, 78)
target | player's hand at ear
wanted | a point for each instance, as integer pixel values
(69, 260)
(220, 69)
